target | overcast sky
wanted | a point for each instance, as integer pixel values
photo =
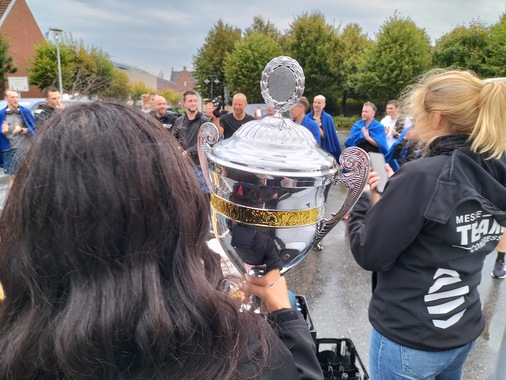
(159, 35)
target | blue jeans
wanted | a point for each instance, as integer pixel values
(11, 161)
(389, 361)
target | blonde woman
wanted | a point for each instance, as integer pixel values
(428, 233)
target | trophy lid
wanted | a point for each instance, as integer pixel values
(274, 145)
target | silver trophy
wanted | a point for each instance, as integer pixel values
(269, 181)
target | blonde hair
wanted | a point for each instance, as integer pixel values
(467, 105)
(10, 90)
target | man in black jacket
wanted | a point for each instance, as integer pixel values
(186, 129)
(160, 113)
(53, 102)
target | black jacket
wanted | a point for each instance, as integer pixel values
(427, 238)
(42, 113)
(167, 120)
(186, 131)
(295, 355)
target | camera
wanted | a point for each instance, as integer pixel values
(218, 104)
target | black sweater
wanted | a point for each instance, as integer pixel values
(427, 238)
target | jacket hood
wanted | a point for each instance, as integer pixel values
(467, 175)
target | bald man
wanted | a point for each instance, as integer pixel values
(328, 133)
(231, 122)
(159, 112)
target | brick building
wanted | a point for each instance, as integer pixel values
(183, 80)
(20, 27)
(179, 81)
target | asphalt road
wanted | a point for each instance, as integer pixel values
(338, 291)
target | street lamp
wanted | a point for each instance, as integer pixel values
(208, 80)
(57, 35)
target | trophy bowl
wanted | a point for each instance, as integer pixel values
(269, 182)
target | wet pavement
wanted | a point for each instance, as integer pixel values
(338, 291)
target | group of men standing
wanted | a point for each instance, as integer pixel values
(185, 128)
(18, 124)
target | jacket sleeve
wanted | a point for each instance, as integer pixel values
(331, 141)
(177, 131)
(377, 132)
(356, 135)
(292, 329)
(28, 119)
(313, 127)
(379, 234)
(4, 142)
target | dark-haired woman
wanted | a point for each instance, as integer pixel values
(106, 269)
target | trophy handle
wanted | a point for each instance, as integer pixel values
(355, 174)
(208, 135)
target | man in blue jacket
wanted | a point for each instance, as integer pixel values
(298, 115)
(368, 133)
(328, 133)
(17, 126)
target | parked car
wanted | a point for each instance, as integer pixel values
(34, 103)
(174, 111)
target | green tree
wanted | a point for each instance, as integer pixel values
(136, 89)
(211, 56)
(172, 97)
(119, 88)
(43, 70)
(85, 71)
(317, 48)
(356, 44)
(244, 66)
(104, 72)
(401, 53)
(496, 50)
(6, 64)
(464, 48)
(261, 26)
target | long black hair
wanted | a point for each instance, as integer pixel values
(104, 261)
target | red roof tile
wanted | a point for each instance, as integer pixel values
(4, 4)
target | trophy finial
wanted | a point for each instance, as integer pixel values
(282, 83)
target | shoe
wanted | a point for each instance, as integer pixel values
(498, 271)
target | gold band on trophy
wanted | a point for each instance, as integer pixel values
(269, 218)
